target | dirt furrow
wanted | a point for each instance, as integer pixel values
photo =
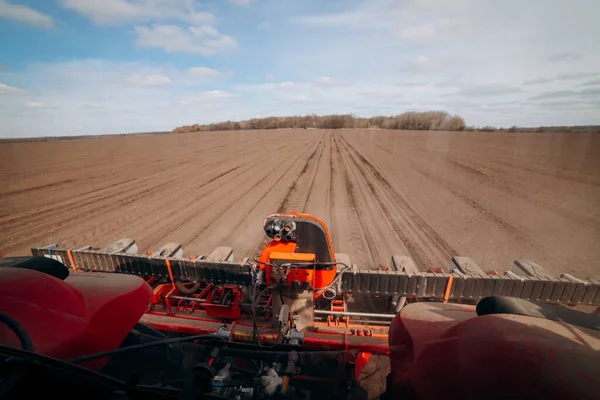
(361, 244)
(118, 224)
(412, 245)
(293, 199)
(73, 217)
(112, 203)
(318, 197)
(281, 197)
(108, 191)
(493, 177)
(406, 221)
(232, 219)
(494, 197)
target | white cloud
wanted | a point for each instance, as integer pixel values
(205, 40)
(568, 76)
(444, 29)
(487, 89)
(594, 82)
(564, 57)
(5, 89)
(241, 2)
(572, 76)
(149, 80)
(91, 93)
(449, 83)
(421, 63)
(287, 85)
(342, 19)
(177, 25)
(349, 97)
(593, 93)
(300, 99)
(476, 57)
(380, 93)
(326, 81)
(205, 73)
(432, 63)
(264, 26)
(420, 21)
(206, 96)
(270, 87)
(538, 81)
(24, 14)
(34, 104)
(425, 33)
(114, 12)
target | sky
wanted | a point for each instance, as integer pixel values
(76, 67)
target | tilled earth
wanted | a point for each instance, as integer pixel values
(494, 197)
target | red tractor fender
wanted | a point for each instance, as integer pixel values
(84, 314)
(417, 326)
(447, 351)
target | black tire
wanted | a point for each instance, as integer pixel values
(185, 290)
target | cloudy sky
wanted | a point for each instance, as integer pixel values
(71, 67)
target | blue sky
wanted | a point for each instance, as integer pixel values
(70, 67)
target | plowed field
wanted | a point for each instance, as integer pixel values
(492, 196)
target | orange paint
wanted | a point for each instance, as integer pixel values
(168, 262)
(72, 260)
(286, 251)
(308, 216)
(448, 288)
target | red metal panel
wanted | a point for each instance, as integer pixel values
(85, 314)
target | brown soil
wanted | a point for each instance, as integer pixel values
(492, 196)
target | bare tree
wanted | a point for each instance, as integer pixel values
(428, 120)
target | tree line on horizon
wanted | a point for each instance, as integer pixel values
(412, 120)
